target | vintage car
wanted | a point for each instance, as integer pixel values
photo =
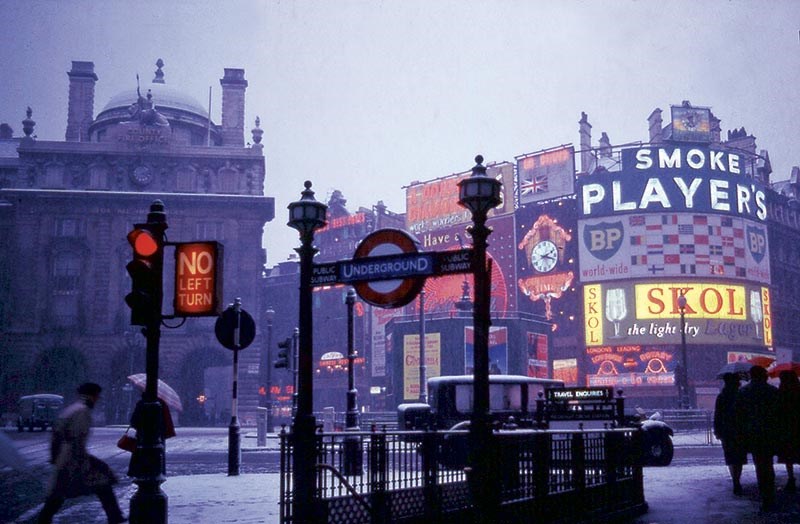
(522, 402)
(38, 411)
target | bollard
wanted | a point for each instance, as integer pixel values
(261, 427)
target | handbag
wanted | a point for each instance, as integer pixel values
(127, 442)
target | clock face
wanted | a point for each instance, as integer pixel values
(142, 175)
(544, 256)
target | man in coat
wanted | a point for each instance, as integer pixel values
(756, 409)
(77, 472)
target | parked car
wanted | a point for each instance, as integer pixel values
(513, 402)
(38, 411)
(657, 446)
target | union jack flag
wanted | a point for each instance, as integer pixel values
(535, 184)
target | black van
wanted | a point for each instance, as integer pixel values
(39, 411)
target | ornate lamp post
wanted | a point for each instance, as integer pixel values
(266, 370)
(480, 194)
(306, 216)
(683, 378)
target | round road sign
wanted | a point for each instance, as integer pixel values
(225, 328)
(388, 293)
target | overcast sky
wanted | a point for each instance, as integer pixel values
(368, 96)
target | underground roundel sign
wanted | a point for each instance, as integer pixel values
(388, 293)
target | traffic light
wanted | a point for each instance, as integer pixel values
(283, 354)
(145, 270)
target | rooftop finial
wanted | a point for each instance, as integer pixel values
(159, 78)
(28, 123)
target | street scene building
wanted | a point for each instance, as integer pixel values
(65, 209)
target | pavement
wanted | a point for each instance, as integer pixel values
(700, 494)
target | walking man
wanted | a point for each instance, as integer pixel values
(77, 472)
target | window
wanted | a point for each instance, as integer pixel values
(66, 272)
(209, 231)
(69, 228)
(65, 310)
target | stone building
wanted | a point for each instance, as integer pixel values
(65, 209)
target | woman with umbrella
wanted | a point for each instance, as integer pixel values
(166, 428)
(789, 425)
(726, 429)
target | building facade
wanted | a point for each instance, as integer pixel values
(65, 209)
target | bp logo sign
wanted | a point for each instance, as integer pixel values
(604, 239)
(757, 242)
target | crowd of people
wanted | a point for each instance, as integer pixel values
(763, 421)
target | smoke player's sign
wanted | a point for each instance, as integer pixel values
(198, 279)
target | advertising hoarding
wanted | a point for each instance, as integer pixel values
(498, 350)
(546, 257)
(537, 355)
(566, 370)
(442, 293)
(673, 245)
(694, 179)
(640, 313)
(433, 205)
(691, 124)
(630, 365)
(546, 174)
(433, 362)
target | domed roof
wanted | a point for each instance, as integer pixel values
(163, 97)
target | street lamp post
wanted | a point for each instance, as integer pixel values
(306, 216)
(266, 370)
(480, 193)
(351, 419)
(683, 378)
(423, 379)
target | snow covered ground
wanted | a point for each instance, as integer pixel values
(678, 494)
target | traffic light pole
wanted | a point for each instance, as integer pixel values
(149, 503)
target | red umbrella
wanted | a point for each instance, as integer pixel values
(786, 366)
(165, 392)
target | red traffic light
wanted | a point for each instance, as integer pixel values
(143, 242)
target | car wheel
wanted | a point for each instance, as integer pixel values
(660, 451)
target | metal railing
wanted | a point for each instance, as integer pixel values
(414, 476)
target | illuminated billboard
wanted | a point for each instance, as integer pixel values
(630, 365)
(672, 245)
(546, 257)
(442, 293)
(639, 313)
(433, 205)
(671, 179)
(546, 174)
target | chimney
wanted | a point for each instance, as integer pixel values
(716, 130)
(585, 131)
(655, 123)
(81, 101)
(233, 87)
(605, 145)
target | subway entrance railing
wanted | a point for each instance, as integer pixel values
(421, 476)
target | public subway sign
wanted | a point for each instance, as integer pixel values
(643, 313)
(198, 279)
(674, 179)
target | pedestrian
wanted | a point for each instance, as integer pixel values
(77, 472)
(165, 428)
(756, 408)
(726, 430)
(789, 425)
